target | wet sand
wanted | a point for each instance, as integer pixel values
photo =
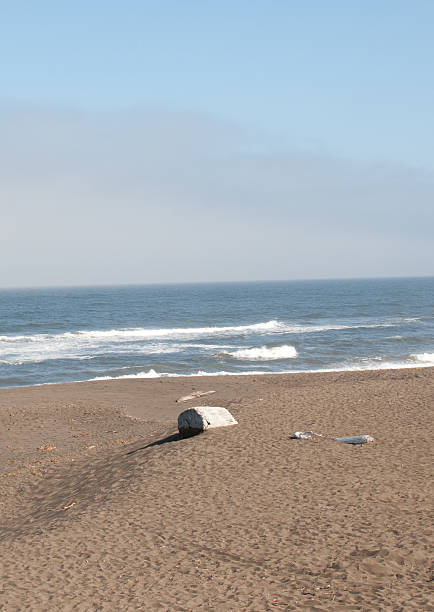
(104, 508)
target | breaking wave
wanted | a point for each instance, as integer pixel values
(421, 360)
(153, 374)
(200, 346)
(426, 358)
(150, 374)
(140, 333)
(264, 353)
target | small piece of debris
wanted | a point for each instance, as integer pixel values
(303, 435)
(69, 506)
(193, 395)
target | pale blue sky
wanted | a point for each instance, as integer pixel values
(289, 96)
(349, 77)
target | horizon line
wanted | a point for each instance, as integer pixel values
(216, 282)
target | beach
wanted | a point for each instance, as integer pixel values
(104, 507)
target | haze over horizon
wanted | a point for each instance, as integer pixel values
(197, 142)
(120, 285)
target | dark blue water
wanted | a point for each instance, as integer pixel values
(57, 335)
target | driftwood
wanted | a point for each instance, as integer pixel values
(193, 395)
(356, 439)
(198, 419)
(306, 435)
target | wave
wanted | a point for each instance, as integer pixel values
(41, 358)
(140, 333)
(129, 343)
(427, 358)
(150, 374)
(153, 374)
(57, 351)
(372, 365)
(415, 360)
(72, 345)
(421, 360)
(264, 353)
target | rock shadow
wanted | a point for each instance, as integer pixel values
(172, 438)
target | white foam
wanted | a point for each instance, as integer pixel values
(368, 366)
(379, 363)
(74, 345)
(88, 344)
(19, 353)
(264, 353)
(427, 358)
(34, 338)
(150, 374)
(349, 368)
(178, 332)
(153, 374)
(192, 333)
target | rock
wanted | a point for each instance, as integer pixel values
(198, 419)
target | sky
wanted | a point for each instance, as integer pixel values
(184, 141)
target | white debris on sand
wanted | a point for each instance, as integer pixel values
(193, 395)
(307, 435)
(356, 439)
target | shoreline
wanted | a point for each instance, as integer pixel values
(105, 506)
(218, 374)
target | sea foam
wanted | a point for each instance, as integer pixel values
(90, 344)
(369, 365)
(264, 353)
(191, 333)
(153, 374)
(427, 358)
(150, 374)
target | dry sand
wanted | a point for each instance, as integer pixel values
(104, 508)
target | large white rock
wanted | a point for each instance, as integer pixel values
(198, 419)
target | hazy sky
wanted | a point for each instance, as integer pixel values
(197, 141)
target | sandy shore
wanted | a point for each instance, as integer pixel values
(103, 508)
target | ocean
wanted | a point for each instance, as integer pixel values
(94, 333)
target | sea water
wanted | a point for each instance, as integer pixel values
(76, 334)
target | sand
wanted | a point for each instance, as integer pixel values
(104, 508)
